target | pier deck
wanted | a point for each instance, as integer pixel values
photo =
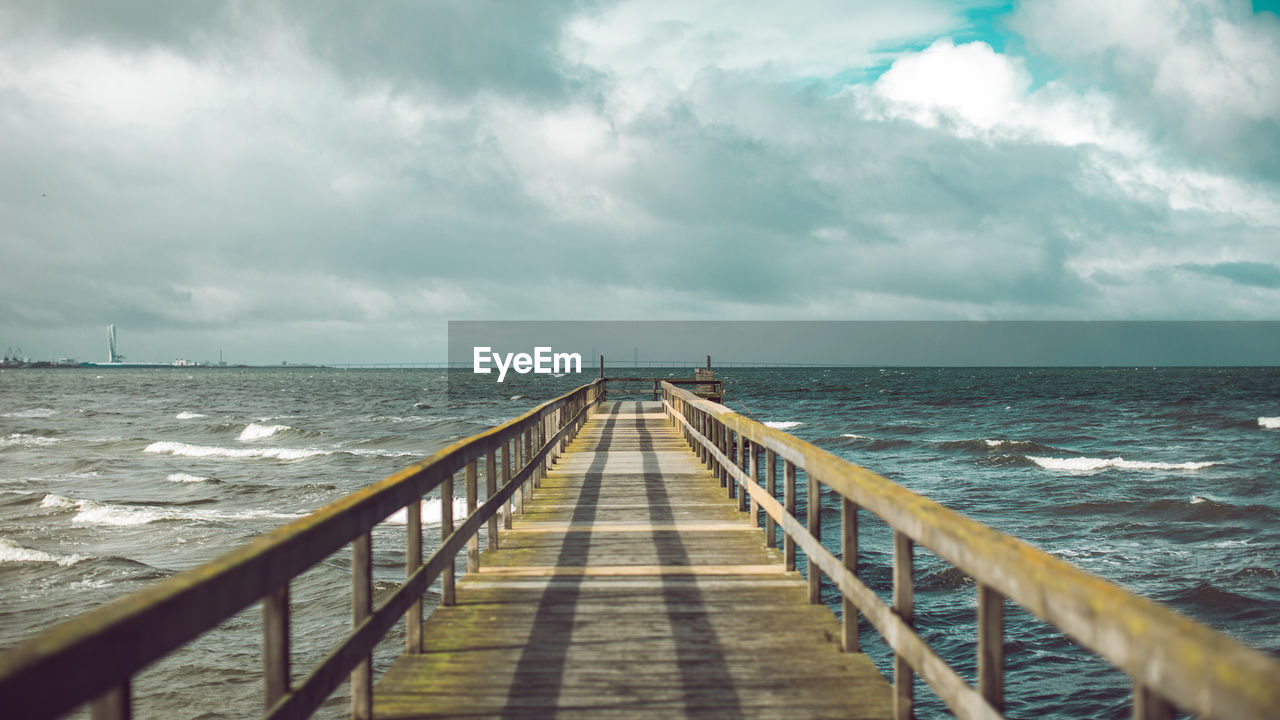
(632, 587)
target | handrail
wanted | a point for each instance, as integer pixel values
(94, 656)
(1172, 660)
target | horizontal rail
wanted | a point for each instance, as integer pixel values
(1171, 659)
(673, 381)
(98, 652)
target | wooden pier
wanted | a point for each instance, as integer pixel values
(632, 587)
(629, 578)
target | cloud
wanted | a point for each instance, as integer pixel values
(269, 176)
(1205, 75)
(1263, 275)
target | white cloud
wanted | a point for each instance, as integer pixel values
(782, 41)
(974, 92)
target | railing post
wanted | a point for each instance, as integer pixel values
(528, 453)
(903, 605)
(275, 645)
(447, 597)
(491, 489)
(473, 542)
(506, 478)
(771, 481)
(742, 465)
(849, 554)
(114, 704)
(361, 607)
(732, 440)
(789, 501)
(513, 450)
(722, 443)
(815, 529)
(412, 561)
(991, 646)
(538, 442)
(1149, 706)
(754, 472)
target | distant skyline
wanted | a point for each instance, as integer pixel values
(333, 183)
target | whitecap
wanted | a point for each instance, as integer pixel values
(92, 512)
(12, 552)
(856, 436)
(180, 477)
(430, 512)
(41, 412)
(188, 415)
(1196, 500)
(381, 453)
(782, 424)
(1088, 464)
(24, 440)
(254, 431)
(188, 450)
(1270, 423)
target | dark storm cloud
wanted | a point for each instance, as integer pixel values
(255, 176)
(1263, 275)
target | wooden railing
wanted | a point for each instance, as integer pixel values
(656, 383)
(92, 658)
(1172, 661)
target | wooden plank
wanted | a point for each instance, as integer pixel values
(1196, 668)
(566, 623)
(275, 645)
(361, 608)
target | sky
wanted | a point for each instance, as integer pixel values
(322, 181)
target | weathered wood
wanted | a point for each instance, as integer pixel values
(473, 542)
(623, 603)
(789, 492)
(490, 488)
(509, 511)
(361, 607)
(76, 661)
(114, 704)
(448, 595)
(903, 604)
(957, 694)
(754, 472)
(991, 646)
(275, 645)
(1149, 706)
(1197, 669)
(413, 561)
(771, 472)
(815, 531)
(849, 556)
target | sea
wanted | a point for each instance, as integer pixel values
(1164, 480)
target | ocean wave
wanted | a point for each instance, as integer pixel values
(188, 415)
(782, 424)
(254, 431)
(380, 453)
(988, 446)
(11, 552)
(1270, 423)
(1088, 464)
(181, 477)
(430, 510)
(92, 512)
(189, 450)
(40, 412)
(25, 440)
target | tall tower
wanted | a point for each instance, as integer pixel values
(111, 344)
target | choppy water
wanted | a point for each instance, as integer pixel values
(1164, 480)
